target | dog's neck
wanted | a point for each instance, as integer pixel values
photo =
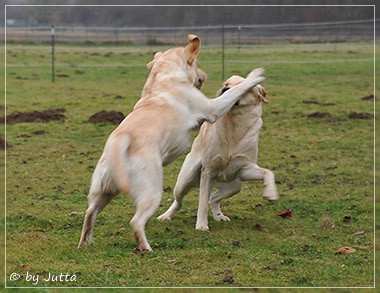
(151, 87)
(241, 121)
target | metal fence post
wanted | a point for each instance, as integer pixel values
(52, 53)
(239, 29)
(222, 52)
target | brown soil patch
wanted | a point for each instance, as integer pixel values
(319, 115)
(39, 132)
(3, 144)
(315, 102)
(368, 98)
(357, 115)
(105, 116)
(36, 116)
(117, 97)
(21, 78)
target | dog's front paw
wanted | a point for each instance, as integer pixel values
(202, 227)
(271, 198)
(221, 218)
(271, 194)
(164, 217)
(256, 75)
(139, 250)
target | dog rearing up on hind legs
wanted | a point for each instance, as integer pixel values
(154, 134)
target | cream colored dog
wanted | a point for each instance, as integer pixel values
(154, 134)
(224, 154)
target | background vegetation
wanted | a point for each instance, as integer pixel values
(146, 15)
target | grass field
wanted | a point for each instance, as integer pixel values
(323, 166)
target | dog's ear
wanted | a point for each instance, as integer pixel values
(151, 63)
(200, 80)
(193, 48)
(262, 92)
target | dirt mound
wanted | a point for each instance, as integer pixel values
(319, 115)
(105, 116)
(369, 98)
(36, 116)
(315, 102)
(357, 115)
(3, 144)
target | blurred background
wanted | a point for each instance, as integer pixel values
(165, 25)
(225, 28)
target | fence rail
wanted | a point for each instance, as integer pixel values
(236, 35)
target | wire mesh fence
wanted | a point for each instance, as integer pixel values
(232, 35)
(228, 44)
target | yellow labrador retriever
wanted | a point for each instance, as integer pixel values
(154, 134)
(223, 155)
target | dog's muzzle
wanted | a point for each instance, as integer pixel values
(226, 89)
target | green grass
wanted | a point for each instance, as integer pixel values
(324, 171)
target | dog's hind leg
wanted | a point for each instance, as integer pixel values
(146, 189)
(225, 190)
(145, 208)
(205, 187)
(97, 202)
(253, 172)
(102, 191)
(188, 178)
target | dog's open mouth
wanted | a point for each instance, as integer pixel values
(226, 89)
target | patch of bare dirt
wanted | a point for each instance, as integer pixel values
(227, 276)
(368, 98)
(3, 144)
(315, 102)
(105, 116)
(319, 115)
(21, 78)
(117, 97)
(35, 116)
(360, 115)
